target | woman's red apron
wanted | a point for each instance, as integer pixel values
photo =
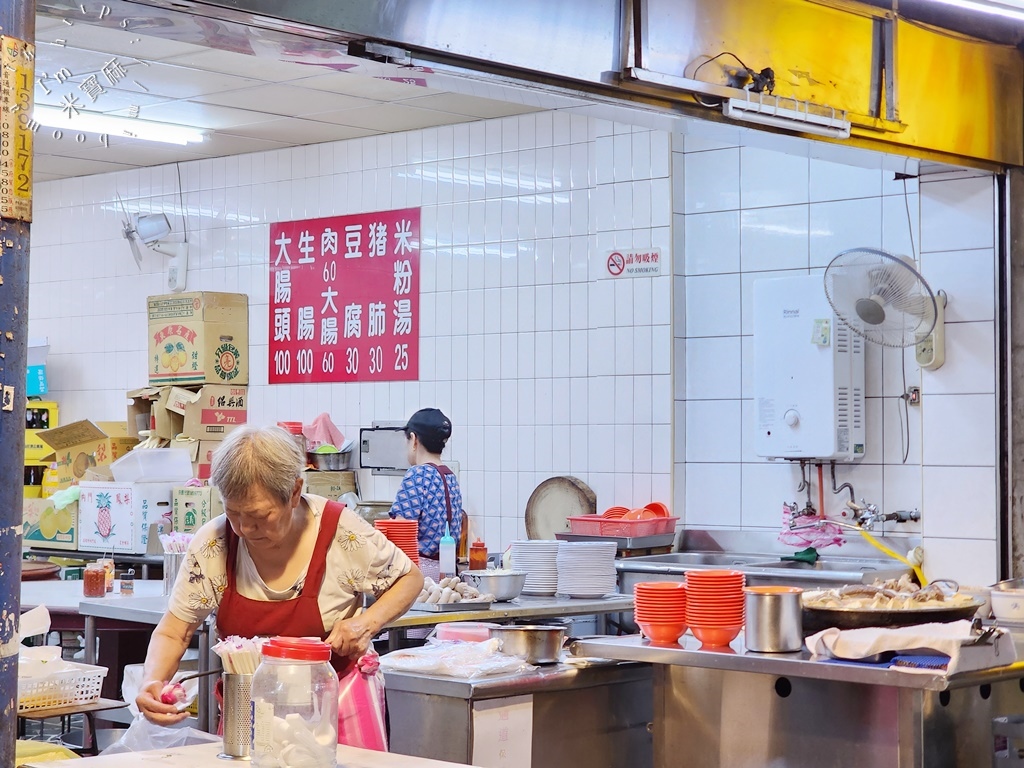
(298, 617)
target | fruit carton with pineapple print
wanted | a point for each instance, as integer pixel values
(43, 525)
(199, 338)
(82, 445)
(123, 517)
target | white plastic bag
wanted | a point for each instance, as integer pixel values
(454, 658)
(143, 735)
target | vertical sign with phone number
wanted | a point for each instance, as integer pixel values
(344, 298)
(16, 97)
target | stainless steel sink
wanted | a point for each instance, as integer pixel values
(870, 568)
(706, 559)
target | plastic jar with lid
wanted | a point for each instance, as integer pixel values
(295, 705)
(478, 556)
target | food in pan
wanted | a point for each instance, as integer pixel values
(893, 594)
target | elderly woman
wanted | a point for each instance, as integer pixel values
(277, 562)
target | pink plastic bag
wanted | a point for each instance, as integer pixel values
(361, 706)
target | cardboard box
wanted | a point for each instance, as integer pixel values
(123, 517)
(45, 526)
(82, 445)
(191, 508)
(211, 412)
(201, 452)
(330, 485)
(207, 413)
(199, 338)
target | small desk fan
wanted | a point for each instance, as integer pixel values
(884, 299)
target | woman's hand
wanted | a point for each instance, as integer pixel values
(351, 637)
(154, 710)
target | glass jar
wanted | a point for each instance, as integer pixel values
(94, 580)
(295, 705)
(108, 568)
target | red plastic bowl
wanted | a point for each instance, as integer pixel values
(716, 635)
(662, 632)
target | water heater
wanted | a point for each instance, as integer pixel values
(808, 374)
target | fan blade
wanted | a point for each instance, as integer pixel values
(136, 250)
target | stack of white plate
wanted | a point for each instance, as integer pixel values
(539, 560)
(586, 568)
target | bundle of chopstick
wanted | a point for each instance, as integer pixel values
(239, 655)
(175, 541)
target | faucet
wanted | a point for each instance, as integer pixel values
(866, 515)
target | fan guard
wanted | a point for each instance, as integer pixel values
(880, 297)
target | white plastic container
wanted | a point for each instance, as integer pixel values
(295, 705)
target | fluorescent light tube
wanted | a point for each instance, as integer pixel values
(1009, 9)
(126, 127)
(770, 113)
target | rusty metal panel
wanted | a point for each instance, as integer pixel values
(961, 96)
(833, 69)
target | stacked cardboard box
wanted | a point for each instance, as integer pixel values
(197, 392)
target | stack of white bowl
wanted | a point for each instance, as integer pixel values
(586, 568)
(539, 560)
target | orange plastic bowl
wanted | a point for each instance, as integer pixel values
(614, 513)
(658, 508)
(662, 632)
(716, 635)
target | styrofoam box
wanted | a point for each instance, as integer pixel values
(135, 509)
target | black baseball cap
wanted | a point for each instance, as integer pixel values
(431, 424)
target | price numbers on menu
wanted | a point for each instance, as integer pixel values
(375, 360)
(16, 69)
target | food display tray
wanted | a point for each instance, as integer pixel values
(446, 607)
(623, 542)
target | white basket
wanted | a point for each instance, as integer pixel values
(75, 684)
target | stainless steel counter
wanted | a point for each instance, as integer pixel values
(736, 658)
(523, 606)
(593, 716)
(547, 678)
(732, 708)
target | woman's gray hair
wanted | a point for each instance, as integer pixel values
(267, 457)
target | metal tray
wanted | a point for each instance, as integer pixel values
(446, 607)
(623, 542)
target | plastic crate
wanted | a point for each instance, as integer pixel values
(595, 525)
(75, 684)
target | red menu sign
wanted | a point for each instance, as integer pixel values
(344, 298)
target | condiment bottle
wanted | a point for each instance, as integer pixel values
(108, 566)
(446, 554)
(94, 580)
(294, 705)
(478, 556)
(128, 582)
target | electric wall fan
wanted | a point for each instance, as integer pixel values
(884, 299)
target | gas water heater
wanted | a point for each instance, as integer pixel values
(808, 374)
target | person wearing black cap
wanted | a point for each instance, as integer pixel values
(430, 492)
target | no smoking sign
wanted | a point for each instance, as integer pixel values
(636, 262)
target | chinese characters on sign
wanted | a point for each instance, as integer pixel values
(344, 298)
(646, 262)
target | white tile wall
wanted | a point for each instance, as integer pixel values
(795, 214)
(641, 388)
(542, 368)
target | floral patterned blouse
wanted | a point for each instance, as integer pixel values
(360, 561)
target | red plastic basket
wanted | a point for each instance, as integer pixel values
(595, 525)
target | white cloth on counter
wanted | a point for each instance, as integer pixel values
(950, 639)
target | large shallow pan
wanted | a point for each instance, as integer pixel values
(817, 619)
